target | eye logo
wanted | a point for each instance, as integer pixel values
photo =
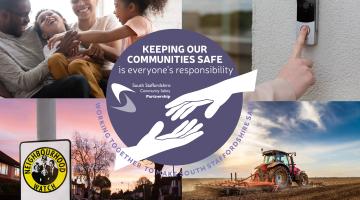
(44, 170)
(129, 106)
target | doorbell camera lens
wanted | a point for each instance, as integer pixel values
(306, 5)
(306, 10)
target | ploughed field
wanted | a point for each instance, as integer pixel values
(319, 188)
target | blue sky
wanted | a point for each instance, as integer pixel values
(216, 6)
(337, 121)
(326, 137)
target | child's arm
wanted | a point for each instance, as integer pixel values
(111, 53)
(97, 36)
(102, 51)
(106, 36)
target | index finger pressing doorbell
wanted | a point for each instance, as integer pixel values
(308, 15)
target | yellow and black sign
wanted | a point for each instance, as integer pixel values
(44, 169)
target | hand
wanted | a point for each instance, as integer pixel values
(215, 95)
(184, 130)
(298, 71)
(95, 51)
(152, 144)
(59, 37)
(69, 45)
(184, 105)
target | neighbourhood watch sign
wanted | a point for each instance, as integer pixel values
(45, 170)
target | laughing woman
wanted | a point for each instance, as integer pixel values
(85, 10)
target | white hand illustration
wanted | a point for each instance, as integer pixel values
(152, 144)
(215, 95)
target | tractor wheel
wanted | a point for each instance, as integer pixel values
(303, 179)
(280, 176)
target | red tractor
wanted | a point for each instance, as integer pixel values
(280, 169)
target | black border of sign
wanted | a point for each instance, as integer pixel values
(39, 141)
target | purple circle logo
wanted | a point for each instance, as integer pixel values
(171, 98)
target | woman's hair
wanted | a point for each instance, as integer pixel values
(154, 6)
(37, 25)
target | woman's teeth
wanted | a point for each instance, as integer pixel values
(84, 10)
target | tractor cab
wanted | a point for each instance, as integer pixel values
(276, 156)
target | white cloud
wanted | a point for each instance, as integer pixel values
(308, 111)
(327, 160)
(261, 121)
(287, 123)
(311, 112)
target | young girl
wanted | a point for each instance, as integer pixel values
(50, 22)
(132, 14)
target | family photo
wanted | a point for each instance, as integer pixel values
(68, 49)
